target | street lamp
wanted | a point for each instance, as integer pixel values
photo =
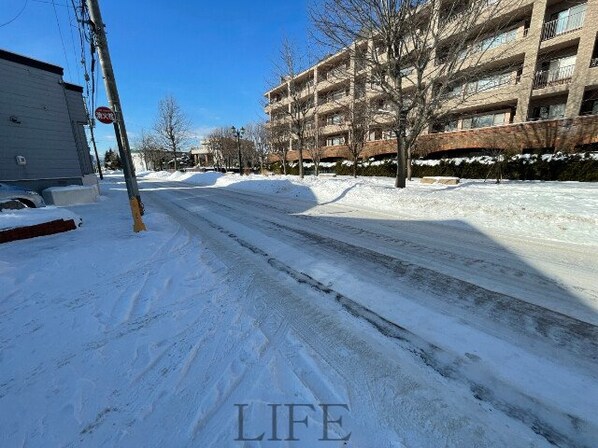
(239, 133)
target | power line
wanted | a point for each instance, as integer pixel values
(50, 2)
(90, 81)
(68, 65)
(68, 11)
(17, 16)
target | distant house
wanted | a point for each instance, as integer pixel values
(205, 155)
(139, 162)
(42, 119)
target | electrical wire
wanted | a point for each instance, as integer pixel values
(68, 65)
(68, 11)
(15, 17)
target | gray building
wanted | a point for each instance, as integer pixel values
(42, 118)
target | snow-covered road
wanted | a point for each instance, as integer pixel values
(484, 311)
(427, 333)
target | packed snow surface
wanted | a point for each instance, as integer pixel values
(561, 211)
(433, 316)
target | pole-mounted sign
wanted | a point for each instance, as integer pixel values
(105, 115)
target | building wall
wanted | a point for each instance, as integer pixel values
(37, 123)
(78, 116)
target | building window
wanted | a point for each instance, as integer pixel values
(496, 41)
(484, 120)
(335, 140)
(451, 125)
(549, 112)
(589, 107)
(564, 21)
(387, 135)
(376, 134)
(488, 83)
(334, 119)
(454, 91)
(336, 95)
(556, 71)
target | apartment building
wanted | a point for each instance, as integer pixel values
(539, 90)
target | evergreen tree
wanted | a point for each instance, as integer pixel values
(112, 160)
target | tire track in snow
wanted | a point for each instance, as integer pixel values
(532, 321)
(484, 267)
(428, 353)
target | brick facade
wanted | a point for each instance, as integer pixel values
(560, 135)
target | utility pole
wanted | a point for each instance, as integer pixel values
(119, 124)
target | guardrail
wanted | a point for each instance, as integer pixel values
(564, 25)
(546, 78)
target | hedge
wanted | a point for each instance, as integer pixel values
(562, 167)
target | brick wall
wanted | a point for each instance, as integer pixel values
(564, 135)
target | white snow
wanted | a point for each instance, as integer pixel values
(10, 219)
(110, 338)
(558, 211)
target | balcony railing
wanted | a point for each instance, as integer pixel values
(547, 78)
(563, 25)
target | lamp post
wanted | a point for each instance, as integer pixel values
(239, 133)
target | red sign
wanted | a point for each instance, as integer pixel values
(105, 115)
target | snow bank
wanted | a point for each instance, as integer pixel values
(10, 219)
(560, 211)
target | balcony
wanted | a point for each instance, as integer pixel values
(554, 77)
(563, 25)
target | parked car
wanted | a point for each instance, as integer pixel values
(14, 197)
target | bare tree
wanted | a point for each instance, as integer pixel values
(172, 126)
(301, 108)
(248, 152)
(414, 51)
(223, 146)
(278, 141)
(355, 111)
(150, 150)
(358, 119)
(315, 148)
(257, 134)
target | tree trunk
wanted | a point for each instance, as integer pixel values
(301, 161)
(400, 181)
(409, 168)
(175, 164)
(355, 167)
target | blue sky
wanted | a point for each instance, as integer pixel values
(216, 58)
